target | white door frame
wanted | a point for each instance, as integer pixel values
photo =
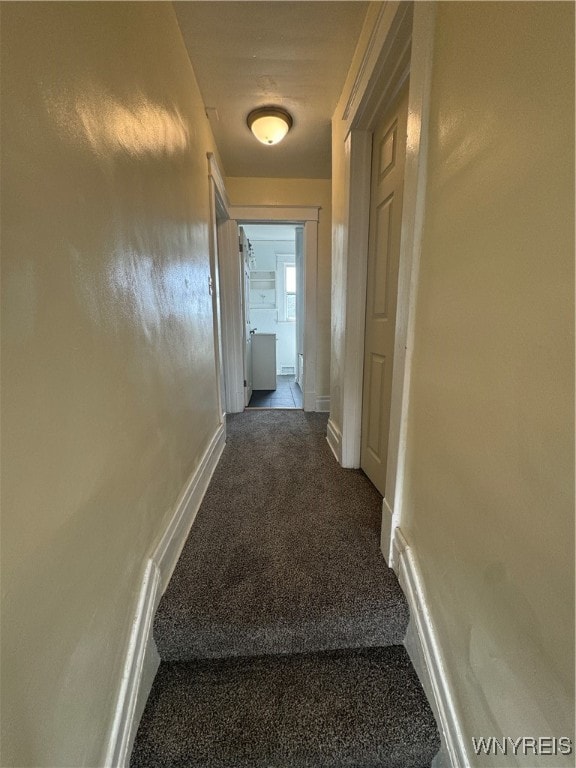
(218, 213)
(245, 305)
(400, 47)
(308, 217)
(226, 277)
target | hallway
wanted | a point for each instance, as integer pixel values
(281, 630)
(128, 163)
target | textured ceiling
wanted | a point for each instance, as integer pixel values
(292, 54)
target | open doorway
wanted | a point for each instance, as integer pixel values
(273, 315)
(232, 286)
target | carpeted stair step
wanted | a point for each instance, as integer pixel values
(284, 555)
(368, 614)
(360, 708)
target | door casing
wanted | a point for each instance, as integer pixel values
(400, 48)
(218, 215)
(307, 218)
(247, 330)
(230, 293)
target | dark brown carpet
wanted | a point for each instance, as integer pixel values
(284, 555)
(360, 708)
(270, 625)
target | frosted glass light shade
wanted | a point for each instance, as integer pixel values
(269, 124)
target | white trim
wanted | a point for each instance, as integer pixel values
(300, 370)
(170, 546)
(360, 160)
(323, 404)
(218, 178)
(262, 214)
(310, 258)
(231, 299)
(386, 531)
(219, 204)
(366, 65)
(299, 261)
(140, 667)
(424, 650)
(231, 279)
(389, 62)
(308, 398)
(334, 438)
(141, 659)
(415, 177)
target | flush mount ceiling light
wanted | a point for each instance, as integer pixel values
(269, 124)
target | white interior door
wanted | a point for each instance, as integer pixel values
(388, 156)
(247, 336)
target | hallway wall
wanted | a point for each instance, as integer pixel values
(488, 490)
(261, 191)
(108, 376)
(489, 485)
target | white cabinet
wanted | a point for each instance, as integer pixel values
(264, 361)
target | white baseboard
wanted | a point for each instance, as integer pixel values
(386, 531)
(323, 404)
(422, 646)
(334, 437)
(170, 545)
(309, 401)
(142, 660)
(140, 667)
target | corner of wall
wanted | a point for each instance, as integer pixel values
(334, 438)
(422, 645)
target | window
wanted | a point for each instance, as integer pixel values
(290, 291)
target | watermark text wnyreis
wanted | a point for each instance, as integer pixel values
(524, 745)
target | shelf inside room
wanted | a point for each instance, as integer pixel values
(262, 289)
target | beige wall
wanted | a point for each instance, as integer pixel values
(108, 378)
(488, 494)
(489, 485)
(262, 191)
